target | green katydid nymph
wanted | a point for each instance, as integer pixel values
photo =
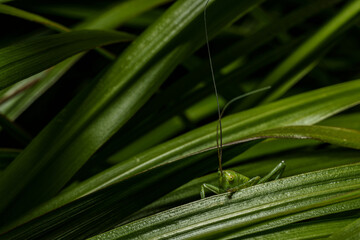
(229, 180)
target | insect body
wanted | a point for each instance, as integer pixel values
(231, 181)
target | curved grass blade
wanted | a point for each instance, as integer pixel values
(307, 108)
(21, 60)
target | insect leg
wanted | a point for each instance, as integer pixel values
(275, 173)
(210, 187)
(249, 183)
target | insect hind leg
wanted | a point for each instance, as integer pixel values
(275, 173)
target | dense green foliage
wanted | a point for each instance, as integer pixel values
(114, 143)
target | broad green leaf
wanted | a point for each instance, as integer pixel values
(307, 108)
(92, 118)
(27, 58)
(251, 210)
(320, 40)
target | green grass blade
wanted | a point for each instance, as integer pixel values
(27, 58)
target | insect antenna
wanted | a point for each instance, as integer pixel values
(221, 113)
(242, 96)
(218, 136)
